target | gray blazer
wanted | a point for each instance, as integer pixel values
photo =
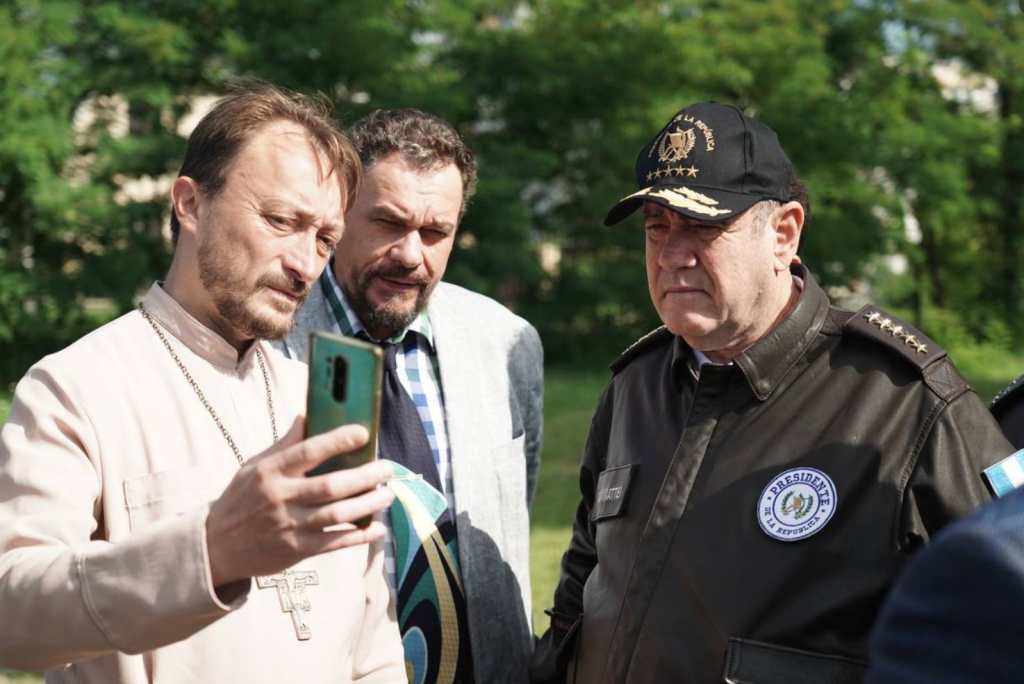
(491, 364)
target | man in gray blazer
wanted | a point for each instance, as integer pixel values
(471, 372)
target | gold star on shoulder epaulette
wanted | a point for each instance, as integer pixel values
(895, 334)
(641, 346)
(887, 325)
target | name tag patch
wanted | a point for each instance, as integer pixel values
(796, 504)
(612, 488)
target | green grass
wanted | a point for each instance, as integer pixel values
(988, 369)
(570, 398)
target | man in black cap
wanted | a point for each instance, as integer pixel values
(759, 468)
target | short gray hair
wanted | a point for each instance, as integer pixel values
(760, 212)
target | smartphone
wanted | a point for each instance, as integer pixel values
(344, 387)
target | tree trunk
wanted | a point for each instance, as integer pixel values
(932, 261)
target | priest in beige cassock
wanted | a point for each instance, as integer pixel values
(155, 522)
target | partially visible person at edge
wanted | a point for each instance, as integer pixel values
(954, 615)
(759, 469)
(155, 521)
(1008, 409)
(461, 405)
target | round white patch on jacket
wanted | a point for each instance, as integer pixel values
(796, 504)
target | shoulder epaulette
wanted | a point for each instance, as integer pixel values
(641, 346)
(895, 334)
(1003, 397)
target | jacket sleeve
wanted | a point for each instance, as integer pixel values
(378, 655)
(555, 646)
(954, 616)
(947, 481)
(531, 389)
(66, 594)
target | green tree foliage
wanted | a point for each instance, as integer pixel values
(69, 240)
(75, 245)
(40, 210)
(557, 97)
(575, 90)
(981, 223)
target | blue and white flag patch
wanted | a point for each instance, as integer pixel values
(1007, 475)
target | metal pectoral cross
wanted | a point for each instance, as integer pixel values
(291, 592)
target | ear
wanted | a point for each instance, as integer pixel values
(787, 234)
(186, 198)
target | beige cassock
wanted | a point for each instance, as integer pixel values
(108, 462)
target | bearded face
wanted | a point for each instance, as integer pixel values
(263, 239)
(387, 315)
(263, 307)
(397, 240)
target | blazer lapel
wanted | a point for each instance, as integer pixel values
(315, 314)
(461, 376)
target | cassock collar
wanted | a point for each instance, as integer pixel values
(193, 334)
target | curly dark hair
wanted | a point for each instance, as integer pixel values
(423, 140)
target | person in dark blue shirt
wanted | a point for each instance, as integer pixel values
(955, 614)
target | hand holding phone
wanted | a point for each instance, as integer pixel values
(344, 387)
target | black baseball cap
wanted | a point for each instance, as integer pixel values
(710, 162)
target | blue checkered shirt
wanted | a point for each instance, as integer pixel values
(419, 374)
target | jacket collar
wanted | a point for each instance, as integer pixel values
(766, 363)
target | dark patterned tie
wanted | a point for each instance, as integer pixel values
(402, 438)
(433, 623)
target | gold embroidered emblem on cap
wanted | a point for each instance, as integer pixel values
(291, 594)
(709, 134)
(674, 146)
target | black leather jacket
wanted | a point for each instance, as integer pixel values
(673, 574)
